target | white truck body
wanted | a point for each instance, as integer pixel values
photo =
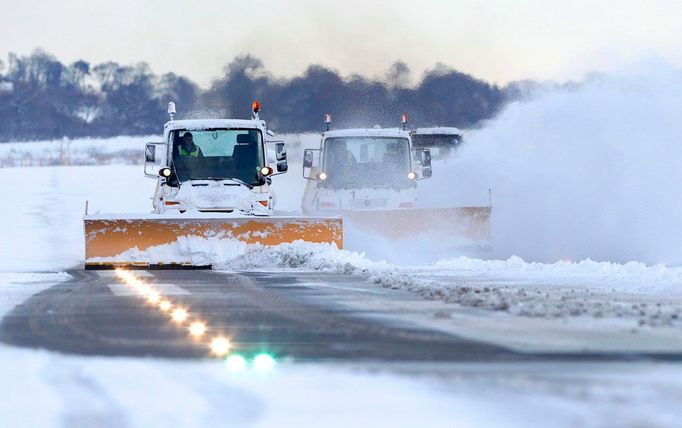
(216, 193)
(324, 197)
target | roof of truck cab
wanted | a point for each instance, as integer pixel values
(199, 124)
(439, 130)
(366, 132)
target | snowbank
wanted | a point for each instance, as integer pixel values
(633, 277)
(633, 293)
(630, 276)
(196, 250)
(301, 256)
(637, 294)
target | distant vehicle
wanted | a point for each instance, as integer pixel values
(442, 141)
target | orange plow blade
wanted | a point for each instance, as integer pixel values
(139, 241)
(462, 223)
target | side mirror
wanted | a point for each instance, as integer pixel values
(281, 156)
(308, 158)
(150, 153)
(426, 158)
(309, 164)
(280, 152)
(281, 164)
(154, 159)
(427, 172)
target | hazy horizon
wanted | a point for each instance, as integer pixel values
(497, 41)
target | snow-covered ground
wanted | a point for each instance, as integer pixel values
(45, 206)
(46, 389)
(45, 231)
(634, 301)
(82, 151)
(114, 150)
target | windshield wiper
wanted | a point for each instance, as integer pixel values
(242, 182)
(235, 180)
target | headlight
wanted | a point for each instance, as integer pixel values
(165, 172)
(411, 175)
(322, 176)
(266, 170)
(220, 346)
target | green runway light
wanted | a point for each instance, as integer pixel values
(235, 363)
(263, 362)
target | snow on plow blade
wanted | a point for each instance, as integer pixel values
(131, 241)
(462, 223)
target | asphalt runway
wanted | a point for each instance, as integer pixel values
(296, 316)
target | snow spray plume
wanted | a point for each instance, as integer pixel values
(594, 171)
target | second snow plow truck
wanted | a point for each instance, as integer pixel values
(214, 183)
(369, 177)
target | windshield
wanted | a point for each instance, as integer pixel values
(357, 162)
(218, 154)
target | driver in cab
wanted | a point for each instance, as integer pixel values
(340, 157)
(187, 148)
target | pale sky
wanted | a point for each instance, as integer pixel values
(498, 41)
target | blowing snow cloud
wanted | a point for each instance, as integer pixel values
(588, 171)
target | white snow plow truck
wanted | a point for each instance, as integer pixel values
(214, 182)
(369, 177)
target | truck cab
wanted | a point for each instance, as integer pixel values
(215, 165)
(363, 169)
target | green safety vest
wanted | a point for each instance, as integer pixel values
(184, 153)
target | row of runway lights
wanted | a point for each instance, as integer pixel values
(219, 346)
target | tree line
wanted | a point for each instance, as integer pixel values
(42, 98)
